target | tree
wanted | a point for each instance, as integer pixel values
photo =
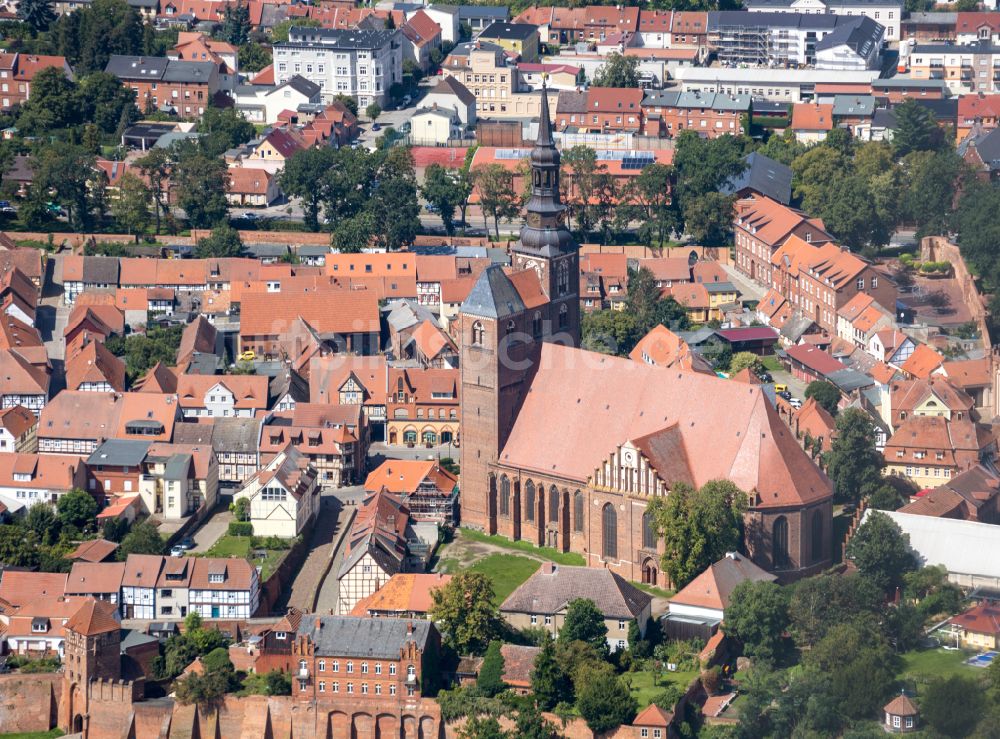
(916, 129)
(42, 520)
(853, 463)
(709, 218)
(393, 205)
(655, 209)
(278, 683)
(745, 360)
(155, 167)
(224, 241)
(610, 331)
(223, 129)
(253, 57)
(373, 111)
(205, 690)
(819, 603)
(603, 701)
(881, 551)
(466, 613)
(279, 33)
(757, 615)
(38, 14)
(52, 104)
(349, 102)
(860, 666)
(442, 190)
(497, 197)
(479, 727)
(103, 100)
(930, 181)
(703, 167)
(89, 37)
(303, 177)
(550, 684)
(490, 680)
(77, 508)
(581, 169)
(142, 539)
(698, 527)
(131, 208)
(618, 71)
(953, 705)
(65, 172)
(826, 394)
(200, 183)
(584, 622)
(236, 24)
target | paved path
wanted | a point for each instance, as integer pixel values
(210, 531)
(306, 585)
(329, 591)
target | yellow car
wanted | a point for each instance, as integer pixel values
(248, 356)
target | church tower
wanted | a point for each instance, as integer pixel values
(545, 244)
(503, 323)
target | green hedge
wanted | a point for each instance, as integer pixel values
(240, 528)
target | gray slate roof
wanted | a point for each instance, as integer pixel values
(301, 85)
(550, 592)
(100, 270)
(862, 36)
(377, 638)
(854, 105)
(236, 435)
(493, 295)
(766, 176)
(119, 453)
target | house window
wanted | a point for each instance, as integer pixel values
(350, 668)
(281, 635)
(548, 620)
(861, 283)
(321, 665)
(392, 669)
(534, 620)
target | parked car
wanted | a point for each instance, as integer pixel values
(250, 216)
(176, 551)
(785, 394)
(795, 403)
(765, 377)
(187, 543)
(248, 356)
(376, 127)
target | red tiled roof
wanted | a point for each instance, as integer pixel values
(812, 117)
(814, 359)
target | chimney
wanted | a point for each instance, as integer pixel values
(409, 628)
(319, 623)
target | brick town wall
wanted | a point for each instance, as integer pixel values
(29, 702)
(939, 249)
(271, 589)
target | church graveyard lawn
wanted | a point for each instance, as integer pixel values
(553, 555)
(507, 571)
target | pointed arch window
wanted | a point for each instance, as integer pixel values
(779, 542)
(529, 501)
(553, 504)
(578, 511)
(505, 496)
(562, 278)
(536, 324)
(563, 316)
(648, 531)
(609, 529)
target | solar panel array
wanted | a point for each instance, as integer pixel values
(638, 159)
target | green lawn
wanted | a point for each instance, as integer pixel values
(239, 546)
(50, 734)
(563, 558)
(644, 690)
(654, 591)
(507, 571)
(926, 664)
(771, 364)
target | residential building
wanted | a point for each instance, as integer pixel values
(404, 595)
(711, 114)
(891, 346)
(786, 85)
(861, 319)
(77, 422)
(236, 442)
(332, 438)
(886, 12)
(811, 122)
(663, 348)
(98, 580)
(184, 87)
(761, 226)
(762, 176)
(353, 380)
(224, 588)
(421, 35)
(429, 491)
(973, 495)
(18, 430)
(451, 95)
(964, 69)
(252, 186)
(389, 660)
(116, 465)
(378, 547)
(363, 64)
(178, 479)
(543, 599)
(607, 109)
(26, 383)
(435, 127)
(928, 450)
(17, 72)
(479, 17)
(142, 573)
(26, 479)
(977, 628)
(211, 396)
(521, 39)
(483, 69)
(266, 103)
(422, 406)
(901, 715)
(197, 47)
(780, 39)
(95, 369)
(284, 495)
(699, 607)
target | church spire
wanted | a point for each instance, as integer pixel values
(544, 125)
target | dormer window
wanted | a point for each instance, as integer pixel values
(281, 635)
(217, 578)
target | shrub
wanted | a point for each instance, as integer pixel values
(240, 528)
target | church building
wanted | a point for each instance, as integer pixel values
(564, 448)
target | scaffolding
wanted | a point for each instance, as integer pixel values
(753, 44)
